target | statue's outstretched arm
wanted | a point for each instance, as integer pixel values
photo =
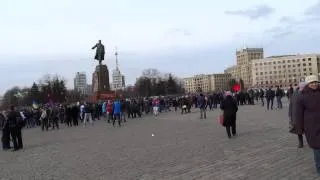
(94, 46)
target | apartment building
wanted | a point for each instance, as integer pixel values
(284, 70)
(80, 82)
(220, 82)
(245, 58)
(197, 83)
(206, 82)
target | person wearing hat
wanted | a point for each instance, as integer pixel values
(308, 116)
(292, 108)
(229, 107)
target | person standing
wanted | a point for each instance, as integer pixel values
(261, 95)
(279, 95)
(308, 116)
(230, 108)
(270, 97)
(202, 104)
(292, 109)
(15, 130)
(88, 110)
(116, 112)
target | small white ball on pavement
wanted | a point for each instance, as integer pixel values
(152, 134)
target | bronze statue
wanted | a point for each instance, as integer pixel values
(99, 52)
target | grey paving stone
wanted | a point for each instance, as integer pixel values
(183, 147)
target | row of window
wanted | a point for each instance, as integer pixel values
(284, 71)
(283, 62)
(283, 76)
(280, 81)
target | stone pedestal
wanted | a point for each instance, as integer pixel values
(100, 80)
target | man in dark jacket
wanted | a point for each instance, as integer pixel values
(270, 97)
(202, 104)
(5, 139)
(15, 130)
(292, 109)
(279, 95)
(308, 116)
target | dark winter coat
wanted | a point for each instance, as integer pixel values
(308, 116)
(230, 108)
(292, 109)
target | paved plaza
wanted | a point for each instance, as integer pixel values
(183, 147)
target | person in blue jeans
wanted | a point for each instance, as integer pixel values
(116, 112)
(308, 116)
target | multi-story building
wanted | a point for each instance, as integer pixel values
(220, 82)
(244, 60)
(89, 89)
(118, 79)
(206, 83)
(80, 82)
(234, 71)
(197, 83)
(284, 70)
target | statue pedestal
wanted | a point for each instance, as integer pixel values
(100, 80)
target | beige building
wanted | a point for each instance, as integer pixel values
(233, 71)
(206, 83)
(284, 70)
(197, 82)
(244, 60)
(220, 82)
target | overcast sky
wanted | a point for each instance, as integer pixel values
(185, 37)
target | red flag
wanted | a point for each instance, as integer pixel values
(236, 87)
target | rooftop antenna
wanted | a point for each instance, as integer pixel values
(116, 54)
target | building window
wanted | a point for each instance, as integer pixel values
(303, 60)
(304, 64)
(309, 64)
(309, 59)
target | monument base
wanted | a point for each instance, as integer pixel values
(100, 80)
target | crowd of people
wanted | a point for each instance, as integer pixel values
(303, 112)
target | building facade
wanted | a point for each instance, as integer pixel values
(197, 83)
(245, 58)
(118, 80)
(206, 83)
(220, 82)
(80, 82)
(284, 70)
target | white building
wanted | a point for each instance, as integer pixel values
(118, 79)
(80, 82)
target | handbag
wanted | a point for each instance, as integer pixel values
(220, 119)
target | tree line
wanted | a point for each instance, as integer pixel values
(154, 83)
(48, 89)
(52, 89)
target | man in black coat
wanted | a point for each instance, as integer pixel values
(270, 94)
(15, 129)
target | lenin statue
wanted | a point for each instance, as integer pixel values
(99, 52)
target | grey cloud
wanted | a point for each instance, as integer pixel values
(313, 10)
(287, 19)
(254, 12)
(279, 31)
(178, 31)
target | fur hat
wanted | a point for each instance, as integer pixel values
(312, 78)
(228, 93)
